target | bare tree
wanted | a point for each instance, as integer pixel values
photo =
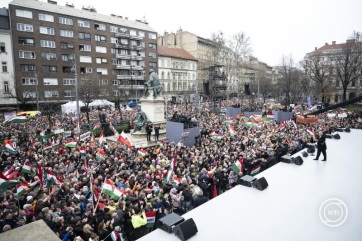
(317, 67)
(348, 63)
(288, 77)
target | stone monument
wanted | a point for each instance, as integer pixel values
(152, 112)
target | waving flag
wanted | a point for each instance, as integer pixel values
(151, 219)
(232, 130)
(101, 137)
(115, 132)
(270, 117)
(310, 132)
(100, 155)
(114, 236)
(21, 189)
(5, 183)
(71, 143)
(16, 119)
(124, 139)
(142, 152)
(9, 147)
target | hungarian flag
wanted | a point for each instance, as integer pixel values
(151, 219)
(249, 124)
(115, 132)
(114, 236)
(229, 121)
(252, 117)
(101, 137)
(97, 126)
(310, 132)
(100, 155)
(269, 117)
(107, 187)
(142, 152)
(176, 180)
(172, 166)
(82, 151)
(252, 151)
(217, 137)
(9, 147)
(40, 174)
(50, 146)
(27, 168)
(255, 170)
(232, 130)
(33, 184)
(8, 172)
(238, 166)
(52, 179)
(21, 189)
(5, 183)
(16, 119)
(124, 140)
(71, 143)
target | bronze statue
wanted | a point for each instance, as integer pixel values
(154, 82)
(140, 121)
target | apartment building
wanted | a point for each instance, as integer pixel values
(52, 43)
(177, 72)
(7, 90)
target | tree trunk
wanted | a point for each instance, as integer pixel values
(344, 93)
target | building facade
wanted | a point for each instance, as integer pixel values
(178, 73)
(52, 43)
(7, 88)
(328, 55)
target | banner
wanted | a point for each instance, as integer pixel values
(85, 136)
(58, 131)
(307, 120)
(140, 144)
(67, 133)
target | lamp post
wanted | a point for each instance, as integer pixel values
(74, 70)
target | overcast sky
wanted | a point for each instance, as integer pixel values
(275, 28)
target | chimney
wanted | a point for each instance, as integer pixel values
(69, 5)
(113, 15)
(326, 44)
(118, 16)
(315, 48)
(52, 2)
(333, 42)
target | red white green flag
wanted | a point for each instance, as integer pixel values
(100, 155)
(310, 132)
(270, 117)
(27, 168)
(124, 139)
(71, 143)
(16, 119)
(142, 152)
(9, 148)
(114, 236)
(151, 219)
(107, 187)
(21, 189)
(232, 130)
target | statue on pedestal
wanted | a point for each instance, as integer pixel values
(140, 121)
(153, 82)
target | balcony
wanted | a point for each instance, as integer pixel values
(137, 68)
(136, 37)
(125, 35)
(122, 46)
(131, 87)
(136, 47)
(136, 57)
(130, 77)
(119, 66)
(123, 56)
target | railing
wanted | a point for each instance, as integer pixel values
(122, 56)
(130, 77)
(129, 87)
(119, 66)
(127, 35)
(122, 46)
(136, 37)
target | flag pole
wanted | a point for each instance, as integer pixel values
(94, 210)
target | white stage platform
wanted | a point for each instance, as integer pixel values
(289, 208)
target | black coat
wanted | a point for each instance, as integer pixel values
(321, 144)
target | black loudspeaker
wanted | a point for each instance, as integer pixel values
(247, 89)
(347, 130)
(329, 136)
(185, 230)
(305, 154)
(339, 129)
(206, 89)
(298, 160)
(260, 184)
(336, 136)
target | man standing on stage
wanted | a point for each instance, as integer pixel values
(321, 146)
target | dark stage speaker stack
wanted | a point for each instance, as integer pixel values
(295, 160)
(176, 224)
(250, 181)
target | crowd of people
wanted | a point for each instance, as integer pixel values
(73, 189)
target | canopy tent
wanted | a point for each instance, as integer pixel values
(101, 103)
(71, 107)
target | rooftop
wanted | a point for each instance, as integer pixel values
(174, 52)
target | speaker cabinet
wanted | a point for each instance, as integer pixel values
(260, 184)
(305, 154)
(347, 130)
(336, 136)
(298, 160)
(185, 230)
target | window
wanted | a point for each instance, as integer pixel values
(48, 56)
(28, 81)
(152, 35)
(68, 93)
(6, 87)
(84, 24)
(153, 64)
(4, 67)
(115, 92)
(66, 57)
(47, 43)
(46, 17)
(46, 30)
(67, 69)
(100, 38)
(124, 41)
(142, 54)
(101, 60)
(26, 54)
(102, 71)
(67, 21)
(113, 29)
(85, 59)
(116, 82)
(123, 30)
(49, 68)
(141, 34)
(27, 67)
(68, 81)
(29, 94)
(100, 49)
(152, 46)
(23, 13)
(24, 27)
(103, 82)
(85, 36)
(114, 40)
(2, 47)
(114, 61)
(85, 70)
(152, 55)
(133, 32)
(66, 33)
(85, 47)
(50, 81)
(100, 26)
(26, 41)
(51, 93)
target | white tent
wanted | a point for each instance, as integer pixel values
(101, 103)
(71, 107)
